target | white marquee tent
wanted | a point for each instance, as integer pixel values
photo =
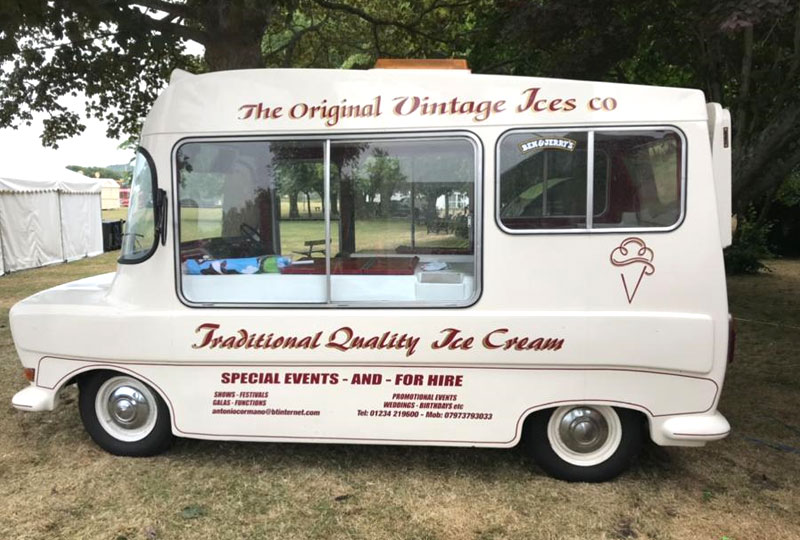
(110, 193)
(47, 215)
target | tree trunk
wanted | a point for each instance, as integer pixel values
(385, 205)
(334, 203)
(430, 207)
(226, 55)
(235, 29)
(294, 211)
(743, 131)
(760, 165)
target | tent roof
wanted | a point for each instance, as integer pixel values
(109, 182)
(43, 176)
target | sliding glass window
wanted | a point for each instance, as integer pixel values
(568, 181)
(367, 222)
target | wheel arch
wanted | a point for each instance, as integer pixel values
(86, 372)
(522, 431)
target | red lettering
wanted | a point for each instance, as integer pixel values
(209, 327)
(487, 343)
(258, 111)
(332, 340)
(408, 379)
(248, 111)
(293, 112)
(445, 380)
(242, 341)
(531, 99)
(602, 104)
(452, 342)
(400, 107)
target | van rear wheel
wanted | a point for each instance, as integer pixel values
(584, 443)
(123, 415)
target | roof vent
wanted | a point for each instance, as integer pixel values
(421, 63)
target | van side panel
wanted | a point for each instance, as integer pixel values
(409, 404)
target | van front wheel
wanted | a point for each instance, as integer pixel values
(123, 415)
(584, 443)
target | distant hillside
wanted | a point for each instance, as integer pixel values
(124, 168)
(121, 173)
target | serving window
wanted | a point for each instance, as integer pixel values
(386, 222)
(581, 180)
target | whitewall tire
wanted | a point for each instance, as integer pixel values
(584, 443)
(124, 415)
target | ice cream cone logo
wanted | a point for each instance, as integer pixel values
(635, 261)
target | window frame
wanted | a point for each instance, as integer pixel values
(156, 234)
(326, 140)
(591, 130)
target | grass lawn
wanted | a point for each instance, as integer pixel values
(115, 214)
(55, 483)
(371, 235)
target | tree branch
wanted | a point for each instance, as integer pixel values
(290, 45)
(179, 30)
(410, 27)
(744, 88)
(796, 54)
(360, 13)
(168, 23)
(178, 10)
(376, 39)
(767, 153)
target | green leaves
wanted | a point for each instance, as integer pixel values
(743, 53)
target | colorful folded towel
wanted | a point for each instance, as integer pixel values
(247, 265)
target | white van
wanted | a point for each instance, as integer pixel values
(419, 257)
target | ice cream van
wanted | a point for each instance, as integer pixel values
(406, 256)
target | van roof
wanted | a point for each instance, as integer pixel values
(323, 100)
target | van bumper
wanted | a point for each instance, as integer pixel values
(689, 430)
(35, 398)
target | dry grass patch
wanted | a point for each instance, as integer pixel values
(55, 483)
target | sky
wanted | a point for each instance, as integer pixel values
(90, 148)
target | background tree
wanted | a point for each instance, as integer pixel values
(300, 177)
(120, 53)
(745, 54)
(380, 178)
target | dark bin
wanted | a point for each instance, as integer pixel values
(112, 234)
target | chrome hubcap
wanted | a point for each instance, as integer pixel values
(584, 435)
(583, 430)
(128, 408)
